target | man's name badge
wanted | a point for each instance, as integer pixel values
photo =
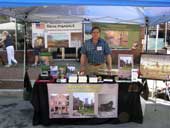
(99, 48)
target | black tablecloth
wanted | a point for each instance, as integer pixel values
(129, 106)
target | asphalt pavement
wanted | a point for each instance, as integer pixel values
(17, 113)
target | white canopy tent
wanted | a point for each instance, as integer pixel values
(142, 12)
(114, 11)
(8, 26)
(107, 14)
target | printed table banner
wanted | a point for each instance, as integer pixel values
(83, 100)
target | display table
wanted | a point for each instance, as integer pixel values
(129, 106)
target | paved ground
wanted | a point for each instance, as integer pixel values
(16, 113)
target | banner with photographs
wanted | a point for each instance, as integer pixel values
(155, 66)
(119, 35)
(38, 34)
(64, 35)
(83, 100)
(58, 35)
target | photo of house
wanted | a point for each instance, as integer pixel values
(83, 104)
(59, 105)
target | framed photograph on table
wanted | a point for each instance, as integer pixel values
(155, 66)
(125, 65)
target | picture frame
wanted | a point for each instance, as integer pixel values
(125, 65)
(155, 66)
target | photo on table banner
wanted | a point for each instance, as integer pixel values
(56, 40)
(107, 105)
(125, 64)
(76, 40)
(155, 66)
(119, 36)
(83, 104)
(59, 105)
(87, 31)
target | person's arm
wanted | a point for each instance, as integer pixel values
(83, 59)
(109, 61)
(3, 39)
(107, 52)
(83, 62)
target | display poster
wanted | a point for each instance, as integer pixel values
(125, 65)
(155, 66)
(64, 35)
(38, 34)
(119, 35)
(83, 100)
(59, 35)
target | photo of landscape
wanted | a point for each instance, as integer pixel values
(57, 40)
(155, 66)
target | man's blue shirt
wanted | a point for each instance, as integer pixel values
(95, 53)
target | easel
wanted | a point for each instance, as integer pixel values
(167, 91)
(155, 95)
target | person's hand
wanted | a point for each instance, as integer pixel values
(82, 73)
(109, 71)
(1, 45)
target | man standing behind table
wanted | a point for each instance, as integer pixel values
(95, 54)
(7, 40)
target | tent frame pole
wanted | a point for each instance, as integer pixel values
(157, 34)
(146, 33)
(166, 29)
(25, 46)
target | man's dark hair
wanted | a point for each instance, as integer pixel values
(95, 27)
